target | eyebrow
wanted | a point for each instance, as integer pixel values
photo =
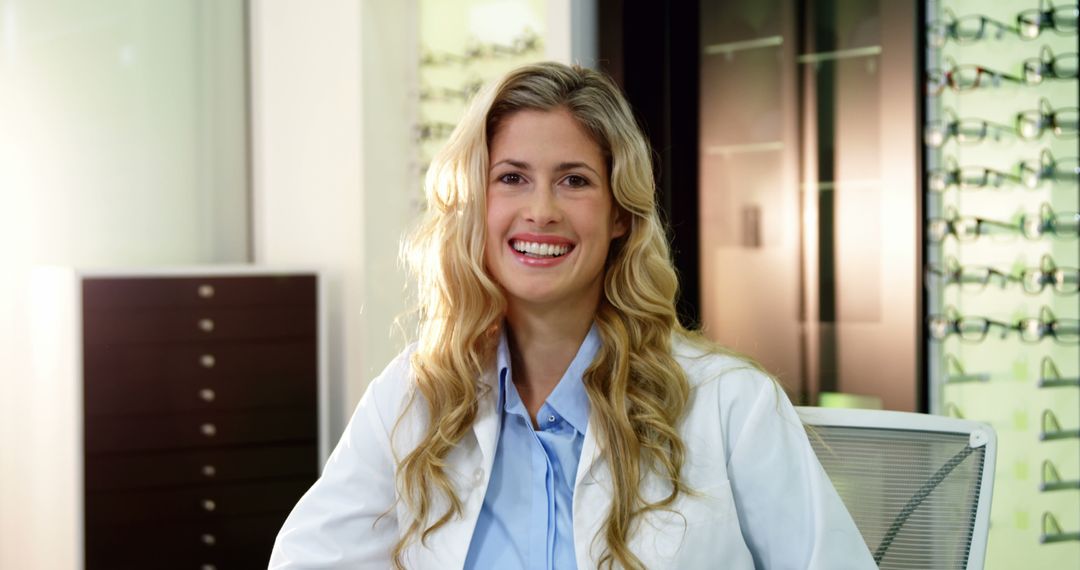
(561, 167)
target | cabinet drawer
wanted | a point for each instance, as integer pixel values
(133, 433)
(128, 397)
(199, 503)
(197, 325)
(204, 361)
(240, 543)
(222, 291)
(215, 465)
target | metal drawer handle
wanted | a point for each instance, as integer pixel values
(207, 395)
(206, 291)
(206, 325)
(208, 429)
(208, 567)
(209, 470)
(209, 539)
(207, 360)
(209, 505)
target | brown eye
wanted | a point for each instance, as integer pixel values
(576, 181)
(510, 178)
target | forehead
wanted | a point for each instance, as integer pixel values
(541, 137)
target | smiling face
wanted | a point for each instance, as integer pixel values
(550, 214)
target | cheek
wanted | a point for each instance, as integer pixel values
(493, 231)
(495, 227)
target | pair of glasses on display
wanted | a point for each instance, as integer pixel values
(1050, 66)
(1050, 376)
(1031, 226)
(964, 131)
(1033, 280)
(975, 329)
(1049, 222)
(1030, 24)
(975, 27)
(1051, 479)
(1029, 172)
(434, 130)
(967, 77)
(966, 178)
(1027, 125)
(1063, 122)
(1034, 172)
(1063, 331)
(970, 329)
(966, 228)
(449, 94)
(528, 42)
(965, 29)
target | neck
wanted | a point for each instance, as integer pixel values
(542, 345)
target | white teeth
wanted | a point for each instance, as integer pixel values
(540, 249)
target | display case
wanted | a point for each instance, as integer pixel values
(1002, 251)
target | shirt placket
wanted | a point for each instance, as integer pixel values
(543, 511)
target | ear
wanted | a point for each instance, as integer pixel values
(621, 224)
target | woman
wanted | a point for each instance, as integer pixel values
(553, 413)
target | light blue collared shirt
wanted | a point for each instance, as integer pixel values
(527, 517)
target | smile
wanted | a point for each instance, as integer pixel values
(540, 250)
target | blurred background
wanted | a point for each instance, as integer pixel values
(876, 199)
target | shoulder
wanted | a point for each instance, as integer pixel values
(731, 390)
(395, 383)
(710, 368)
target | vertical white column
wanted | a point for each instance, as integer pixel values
(333, 168)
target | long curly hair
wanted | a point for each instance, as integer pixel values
(636, 389)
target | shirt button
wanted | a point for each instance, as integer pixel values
(478, 477)
(551, 419)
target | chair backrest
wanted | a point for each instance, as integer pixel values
(918, 486)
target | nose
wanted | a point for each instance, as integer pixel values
(543, 207)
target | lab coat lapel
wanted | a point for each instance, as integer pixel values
(487, 424)
(449, 547)
(590, 465)
(592, 501)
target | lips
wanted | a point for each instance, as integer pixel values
(540, 250)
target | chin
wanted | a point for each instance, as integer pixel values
(533, 297)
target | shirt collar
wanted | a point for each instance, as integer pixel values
(569, 398)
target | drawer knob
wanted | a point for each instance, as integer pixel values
(208, 429)
(207, 360)
(206, 291)
(206, 325)
(207, 395)
(209, 539)
(209, 470)
(209, 505)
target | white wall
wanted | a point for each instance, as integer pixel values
(333, 92)
(122, 144)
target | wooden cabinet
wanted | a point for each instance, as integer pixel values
(200, 424)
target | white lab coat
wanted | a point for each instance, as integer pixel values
(765, 501)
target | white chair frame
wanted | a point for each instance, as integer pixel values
(979, 435)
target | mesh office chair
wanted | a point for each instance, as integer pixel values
(918, 486)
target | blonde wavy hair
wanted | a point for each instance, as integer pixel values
(636, 389)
